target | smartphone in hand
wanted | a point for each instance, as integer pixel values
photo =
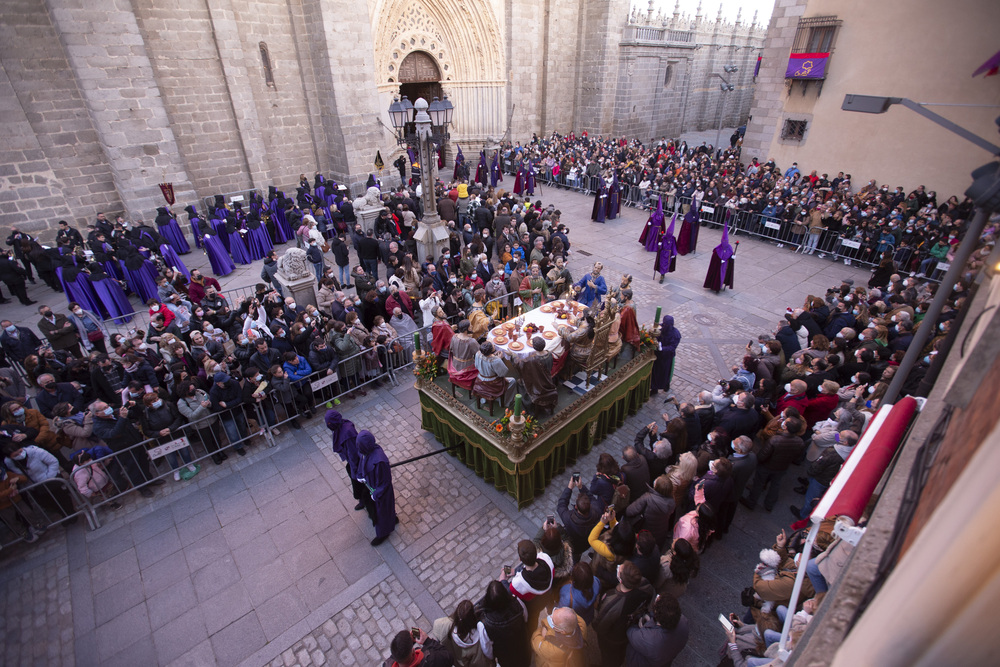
(725, 623)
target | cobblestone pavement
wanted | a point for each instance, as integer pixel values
(263, 561)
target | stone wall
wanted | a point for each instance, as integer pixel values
(52, 166)
(769, 96)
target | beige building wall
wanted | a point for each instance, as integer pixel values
(925, 50)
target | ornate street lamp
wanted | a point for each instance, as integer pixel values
(423, 127)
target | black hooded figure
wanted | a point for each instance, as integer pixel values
(171, 231)
(195, 221)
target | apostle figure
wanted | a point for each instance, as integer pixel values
(533, 289)
(196, 223)
(479, 321)
(666, 348)
(492, 380)
(581, 341)
(651, 233)
(600, 211)
(592, 287)
(536, 375)
(170, 230)
(462, 356)
(346, 447)
(720, 268)
(666, 256)
(441, 334)
(629, 326)
(374, 472)
(687, 240)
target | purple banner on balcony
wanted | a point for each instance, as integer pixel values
(807, 66)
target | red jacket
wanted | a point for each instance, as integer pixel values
(797, 401)
(196, 291)
(819, 408)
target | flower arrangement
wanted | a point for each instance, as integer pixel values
(425, 365)
(647, 340)
(502, 426)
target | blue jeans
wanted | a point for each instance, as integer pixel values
(814, 492)
(185, 455)
(816, 578)
(318, 270)
(236, 428)
(345, 275)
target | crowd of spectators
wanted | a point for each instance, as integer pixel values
(815, 213)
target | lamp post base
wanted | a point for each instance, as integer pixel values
(431, 237)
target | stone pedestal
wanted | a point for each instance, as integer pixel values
(303, 290)
(431, 237)
(367, 218)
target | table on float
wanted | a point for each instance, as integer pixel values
(544, 316)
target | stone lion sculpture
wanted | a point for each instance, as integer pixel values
(293, 265)
(372, 199)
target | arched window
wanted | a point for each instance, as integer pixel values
(265, 61)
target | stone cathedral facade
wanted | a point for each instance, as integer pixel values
(102, 100)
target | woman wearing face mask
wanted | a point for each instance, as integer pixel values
(162, 420)
(89, 326)
(35, 427)
(195, 406)
(24, 458)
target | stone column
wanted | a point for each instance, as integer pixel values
(123, 100)
(432, 233)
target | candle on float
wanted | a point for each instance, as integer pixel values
(517, 405)
(657, 319)
(416, 341)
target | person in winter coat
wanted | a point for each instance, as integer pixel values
(581, 592)
(821, 472)
(420, 651)
(579, 521)
(657, 507)
(659, 636)
(14, 413)
(779, 588)
(606, 479)
(465, 637)
(559, 640)
(613, 610)
(744, 465)
(773, 461)
(91, 478)
(196, 407)
(715, 486)
(161, 419)
(225, 395)
(505, 619)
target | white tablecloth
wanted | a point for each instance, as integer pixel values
(536, 317)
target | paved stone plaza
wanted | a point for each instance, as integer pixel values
(262, 560)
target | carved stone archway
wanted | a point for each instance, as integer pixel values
(420, 76)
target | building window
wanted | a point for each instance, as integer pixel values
(265, 61)
(817, 34)
(669, 75)
(793, 130)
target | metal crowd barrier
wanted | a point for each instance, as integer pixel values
(41, 506)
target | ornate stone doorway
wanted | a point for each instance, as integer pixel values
(419, 76)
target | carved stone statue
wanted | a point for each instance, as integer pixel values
(293, 265)
(372, 199)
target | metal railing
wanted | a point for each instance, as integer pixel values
(40, 506)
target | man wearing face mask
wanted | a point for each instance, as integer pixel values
(18, 342)
(821, 472)
(59, 331)
(115, 429)
(57, 392)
